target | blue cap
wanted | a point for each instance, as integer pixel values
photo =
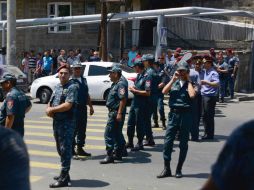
(182, 65)
(115, 69)
(138, 62)
(7, 77)
(148, 57)
(76, 64)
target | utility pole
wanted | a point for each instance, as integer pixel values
(122, 29)
(103, 43)
(11, 32)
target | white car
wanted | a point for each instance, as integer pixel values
(97, 76)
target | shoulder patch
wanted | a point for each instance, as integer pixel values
(10, 104)
(122, 91)
(148, 83)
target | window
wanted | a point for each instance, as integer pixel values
(95, 70)
(59, 10)
(3, 10)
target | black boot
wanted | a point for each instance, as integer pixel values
(164, 124)
(156, 124)
(62, 181)
(149, 142)
(125, 152)
(118, 155)
(108, 159)
(139, 146)
(81, 152)
(179, 170)
(166, 172)
(129, 144)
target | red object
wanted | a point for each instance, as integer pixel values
(133, 79)
(179, 50)
(229, 50)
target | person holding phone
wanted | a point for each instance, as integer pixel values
(181, 93)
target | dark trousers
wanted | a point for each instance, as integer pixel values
(63, 133)
(230, 82)
(151, 107)
(113, 132)
(195, 111)
(80, 128)
(161, 109)
(222, 88)
(208, 105)
(136, 119)
(181, 122)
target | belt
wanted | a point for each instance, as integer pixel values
(111, 109)
(179, 110)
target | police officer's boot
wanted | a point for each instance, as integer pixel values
(166, 172)
(164, 124)
(125, 152)
(156, 124)
(179, 170)
(81, 152)
(118, 155)
(129, 144)
(108, 159)
(62, 181)
(139, 146)
(149, 142)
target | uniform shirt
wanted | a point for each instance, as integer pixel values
(125, 83)
(169, 71)
(234, 168)
(155, 80)
(71, 60)
(143, 82)
(232, 62)
(82, 91)
(179, 96)
(47, 63)
(62, 94)
(116, 94)
(169, 59)
(15, 104)
(224, 66)
(211, 76)
(194, 77)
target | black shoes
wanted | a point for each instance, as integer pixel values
(207, 137)
(164, 124)
(62, 181)
(166, 172)
(138, 147)
(129, 145)
(156, 125)
(108, 159)
(149, 142)
(81, 152)
(179, 174)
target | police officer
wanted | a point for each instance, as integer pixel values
(61, 108)
(81, 112)
(15, 106)
(116, 104)
(181, 92)
(159, 67)
(137, 113)
(209, 90)
(148, 60)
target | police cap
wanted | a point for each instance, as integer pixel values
(8, 77)
(138, 62)
(76, 64)
(183, 65)
(115, 69)
(207, 59)
(148, 57)
(65, 66)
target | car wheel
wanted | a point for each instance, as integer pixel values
(106, 94)
(44, 95)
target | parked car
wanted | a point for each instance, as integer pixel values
(22, 82)
(97, 76)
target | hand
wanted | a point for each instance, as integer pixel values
(161, 85)
(49, 112)
(119, 117)
(233, 76)
(132, 89)
(91, 110)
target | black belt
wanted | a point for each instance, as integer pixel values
(179, 110)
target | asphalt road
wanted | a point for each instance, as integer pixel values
(139, 170)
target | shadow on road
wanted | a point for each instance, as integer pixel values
(91, 183)
(200, 175)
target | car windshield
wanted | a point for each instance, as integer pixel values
(12, 70)
(125, 68)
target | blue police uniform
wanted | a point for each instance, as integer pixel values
(81, 112)
(234, 167)
(138, 108)
(223, 78)
(113, 131)
(15, 104)
(232, 62)
(64, 122)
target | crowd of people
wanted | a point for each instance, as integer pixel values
(191, 80)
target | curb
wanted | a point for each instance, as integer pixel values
(246, 98)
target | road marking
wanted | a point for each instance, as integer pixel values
(53, 144)
(45, 165)
(34, 179)
(88, 119)
(40, 134)
(42, 153)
